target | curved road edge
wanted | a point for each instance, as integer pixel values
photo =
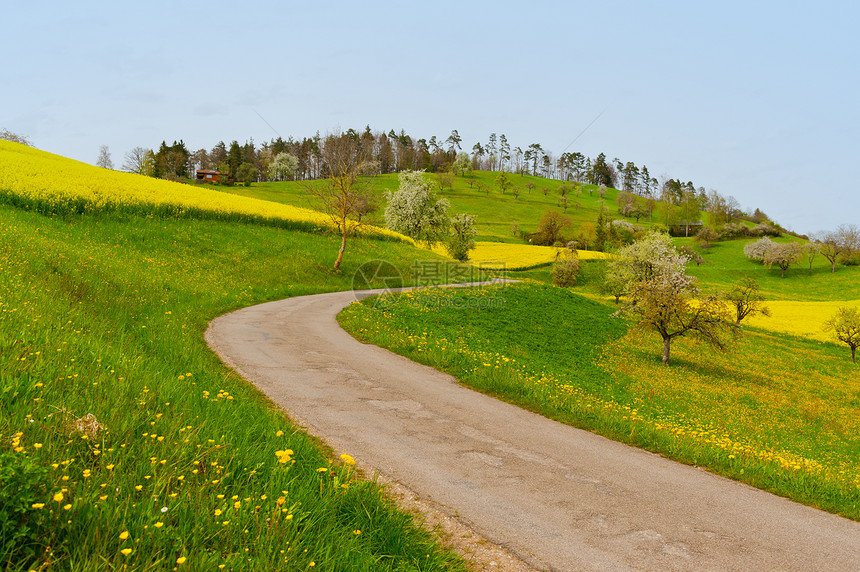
(558, 497)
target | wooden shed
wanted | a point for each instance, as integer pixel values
(208, 176)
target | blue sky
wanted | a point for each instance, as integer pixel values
(758, 100)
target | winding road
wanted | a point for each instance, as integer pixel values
(558, 497)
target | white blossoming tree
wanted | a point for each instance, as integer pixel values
(283, 167)
(414, 210)
(782, 255)
(756, 250)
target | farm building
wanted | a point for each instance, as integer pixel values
(207, 176)
(686, 228)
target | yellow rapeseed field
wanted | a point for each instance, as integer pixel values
(34, 177)
(800, 318)
(506, 256)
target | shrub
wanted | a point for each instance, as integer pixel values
(757, 250)
(565, 272)
(765, 229)
(734, 230)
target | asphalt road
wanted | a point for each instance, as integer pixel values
(559, 497)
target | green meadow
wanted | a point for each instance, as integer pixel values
(127, 444)
(778, 412)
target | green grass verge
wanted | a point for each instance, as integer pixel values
(779, 413)
(116, 418)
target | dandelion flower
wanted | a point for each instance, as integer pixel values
(123, 535)
(58, 497)
(279, 433)
(158, 524)
(180, 560)
(37, 505)
(347, 459)
(125, 551)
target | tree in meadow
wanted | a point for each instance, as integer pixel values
(782, 255)
(662, 297)
(706, 235)
(845, 325)
(504, 182)
(552, 226)
(462, 237)
(344, 190)
(462, 165)
(746, 299)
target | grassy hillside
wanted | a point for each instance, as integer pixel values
(778, 412)
(495, 212)
(124, 442)
(725, 264)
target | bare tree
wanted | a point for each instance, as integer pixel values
(810, 250)
(849, 237)
(707, 235)
(829, 246)
(104, 160)
(343, 193)
(15, 138)
(137, 161)
(747, 299)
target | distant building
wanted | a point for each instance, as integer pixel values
(207, 176)
(686, 228)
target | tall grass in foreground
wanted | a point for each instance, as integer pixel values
(779, 413)
(126, 444)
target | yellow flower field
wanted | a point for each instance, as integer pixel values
(31, 176)
(517, 256)
(800, 318)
